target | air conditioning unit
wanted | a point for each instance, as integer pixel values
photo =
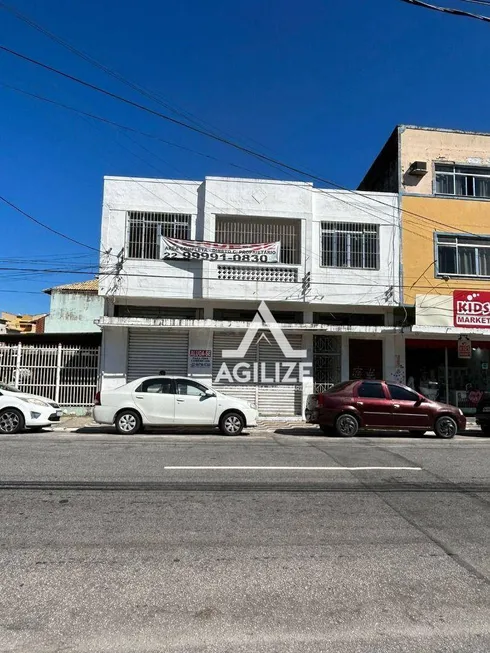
(418, 168)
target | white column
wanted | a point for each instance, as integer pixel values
(344, 357)
(58, 374)
(394, 367)
(307, 377)
(114, 354)
(308, 316)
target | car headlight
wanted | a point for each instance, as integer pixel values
(252, 405)
(37, 402)
(460, 411)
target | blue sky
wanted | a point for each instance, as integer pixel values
(318, 84)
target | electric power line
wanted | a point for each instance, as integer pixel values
(45, 226)
(225, 141)
(124, 127)
(485, 3)
(155, 137)
(173, 276)
(20, 292)
(109, 71)
(130, 129)
(448, 10)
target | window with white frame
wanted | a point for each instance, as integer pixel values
(144, 229)
(350, 245)
(462, 256)
(462, 181)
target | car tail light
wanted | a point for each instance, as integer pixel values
(320, 400)
(97, 399)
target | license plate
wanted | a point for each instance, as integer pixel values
(59, 413)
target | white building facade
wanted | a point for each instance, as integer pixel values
(333, 291)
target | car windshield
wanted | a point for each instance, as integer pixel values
(9, 388)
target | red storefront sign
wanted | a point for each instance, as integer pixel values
(471, 309)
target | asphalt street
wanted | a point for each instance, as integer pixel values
(268, 543)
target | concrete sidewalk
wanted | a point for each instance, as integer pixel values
(282, 426)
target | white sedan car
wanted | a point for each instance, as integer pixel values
(21, 410)
(172, 401)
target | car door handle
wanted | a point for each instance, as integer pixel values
(360, 403)
(396, 405)
(140, 396)
(180, 400)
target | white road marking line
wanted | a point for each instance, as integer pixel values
(257, 468)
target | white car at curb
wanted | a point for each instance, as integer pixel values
(155, 401)
(22, 410)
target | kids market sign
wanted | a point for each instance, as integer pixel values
(471, 309)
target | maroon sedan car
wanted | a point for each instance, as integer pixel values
(352, 405)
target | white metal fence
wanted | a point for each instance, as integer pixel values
(65, 373)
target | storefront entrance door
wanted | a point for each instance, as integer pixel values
(365, 359)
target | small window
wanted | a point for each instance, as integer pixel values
(242, 229)
(190, 388)
(157, 386)
(374, 390)
(463, 181)
(399, 393)
(145, 229)
(349, 245)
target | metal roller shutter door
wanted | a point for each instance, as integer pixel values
(281, 399)
(152, 350)
(227, 340)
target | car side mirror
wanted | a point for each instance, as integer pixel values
(210, 393)
(419, 401)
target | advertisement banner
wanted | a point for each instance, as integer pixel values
(200, 361)
(201, 250)
(471, 309)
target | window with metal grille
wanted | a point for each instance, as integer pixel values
(462, 181)
(244, 230)
(326, 362)
(350, 245)
(144, 229)
(462, 256)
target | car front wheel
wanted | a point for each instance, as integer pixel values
(11, 421)
(231, 424)
(128, 422)
(445, 427)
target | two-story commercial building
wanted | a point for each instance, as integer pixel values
(326, 264)
(442, 178)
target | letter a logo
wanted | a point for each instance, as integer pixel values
(262, 318)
